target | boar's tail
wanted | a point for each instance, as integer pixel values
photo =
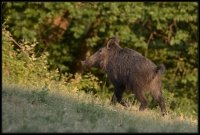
(160, 69)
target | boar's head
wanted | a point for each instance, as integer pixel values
(100, 58)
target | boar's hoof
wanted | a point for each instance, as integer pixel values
(83, 63)
(164, 113)
(113, 103)
(125, 104)
(142, 107)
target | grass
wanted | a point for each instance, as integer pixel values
(49, 110)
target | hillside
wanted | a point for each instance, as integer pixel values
(26, 110)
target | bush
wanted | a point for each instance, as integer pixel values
(20, 65)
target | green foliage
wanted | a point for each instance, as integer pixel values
(20, 65)
(87, 83)
(165, 32)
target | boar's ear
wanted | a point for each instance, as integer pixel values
(112, 42)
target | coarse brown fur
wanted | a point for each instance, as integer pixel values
(128, 69)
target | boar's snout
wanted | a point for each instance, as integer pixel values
(83, 63)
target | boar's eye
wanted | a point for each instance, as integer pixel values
(100, 50)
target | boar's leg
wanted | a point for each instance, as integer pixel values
(142, 99)
(162, 105)
(157, 95)
(156, 92)
(117, 96)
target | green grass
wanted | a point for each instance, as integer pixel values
(55, 110)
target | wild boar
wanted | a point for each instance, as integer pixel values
(129, 69)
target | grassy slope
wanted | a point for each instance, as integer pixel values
(26, 110)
